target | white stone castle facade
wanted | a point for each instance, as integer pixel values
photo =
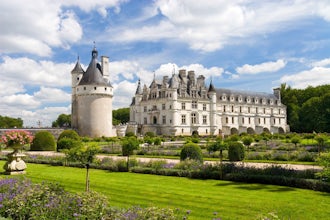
(91, 107)
(183, 105)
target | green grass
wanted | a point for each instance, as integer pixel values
(203, 197)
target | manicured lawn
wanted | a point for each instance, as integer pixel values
(203, 197)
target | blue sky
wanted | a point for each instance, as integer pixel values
(242, 44)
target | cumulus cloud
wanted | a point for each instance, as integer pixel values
(123, 93)
(52, 95)
(321, 63)
(28, 71)
(37, 26)
(261, 68)
(313, 77)
(209, 25)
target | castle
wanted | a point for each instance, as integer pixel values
(183, 105)
(91, 107)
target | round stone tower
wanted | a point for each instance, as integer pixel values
(92, 99)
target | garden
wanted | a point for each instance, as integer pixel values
(203, 183)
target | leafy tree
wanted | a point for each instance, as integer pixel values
(68, 139)
(219, 145)
(62, 121)
(295, 140)
(43, 141)
(120, 116)
(320, 142)
(84, 155)
(129, 144)
(8, 122)
(324, 160)
(247, 141)
(236, 151)
(191, 151)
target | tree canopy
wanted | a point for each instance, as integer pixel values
(308, 110)
(120, 115)
(8, 122)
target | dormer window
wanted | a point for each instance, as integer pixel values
(256, 100)
(224, 98)
(232, 98)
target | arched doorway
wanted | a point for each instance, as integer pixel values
(250, 130)
(233, 131)
(195, 133)
(154, 120)
(281, 130)
(266, 130)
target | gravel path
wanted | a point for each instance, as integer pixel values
(174, 161)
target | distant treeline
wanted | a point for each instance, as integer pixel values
(308, 110)
(8, 122)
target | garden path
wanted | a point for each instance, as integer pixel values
(174, 161)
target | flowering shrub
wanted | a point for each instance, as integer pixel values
(16, 137)
(22, 199)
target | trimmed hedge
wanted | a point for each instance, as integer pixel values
(236, 151)
(43, 141)
(191, 151)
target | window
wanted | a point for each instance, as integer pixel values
(193, 118)
(226, 120)
(224, 108)
(242, 120)
(249, 120)
(257, 110)
(183, 119)
(259, 120)
(145, 121)
(264, 111)
(163, 106)
(194, 104)
(232, 120)
(145, 109)
(279, 111)
(84, 88)
(204, 119)
(164, 119)
(183, 106)
(240, 109)
(264, 120)
(232, 108)
(94, 88)
(204, 107)
(249, 109)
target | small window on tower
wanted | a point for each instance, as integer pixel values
(84, 88)
(94, 88)
(105, 89)
(77, 78)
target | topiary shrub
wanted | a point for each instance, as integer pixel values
(71, 134)
(191, 151)
(43, 141)
(236, 151)
(150, 134)
(68, 143)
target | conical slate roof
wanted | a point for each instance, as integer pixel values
(211, 88)
(93, 74)
(77, 68)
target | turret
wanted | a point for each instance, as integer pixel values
(277, 94)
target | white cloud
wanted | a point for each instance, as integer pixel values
(10, 88)
(31, 72)
(321, 63)
(52, 95)
(209, 25)
(261, 68)
(36, 26)
(313, 77)
(19, 101)
(123, 93)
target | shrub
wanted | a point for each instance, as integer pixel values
(67, 143)
(157, 141)
(69, 134)
(236, 151)
(43, 141)
(191, 151)
(150, 134)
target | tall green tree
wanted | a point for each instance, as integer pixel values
(129, 144)
(62, 121)
(85, 155)
(120, 116)
(8, 122)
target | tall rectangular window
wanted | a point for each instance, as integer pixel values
(183, 119)
(204, 119)
(194, 104)
(183, 106)
(163, 106)
(164, 119)
(193, 118)
(204, 107)
(145, 121)
(145, 108)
